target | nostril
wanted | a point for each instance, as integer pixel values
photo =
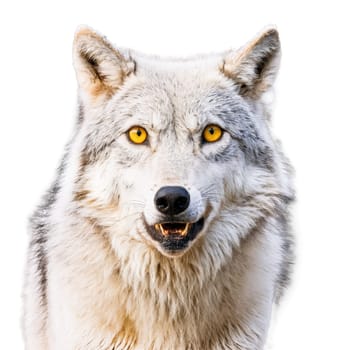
(162, 203)
(181, 203)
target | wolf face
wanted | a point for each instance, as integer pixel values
(171, 188)
(170, 208)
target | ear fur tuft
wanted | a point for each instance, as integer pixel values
(100, 68)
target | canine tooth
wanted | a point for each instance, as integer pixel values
(159, 227)
(164, 232)
(185, 230)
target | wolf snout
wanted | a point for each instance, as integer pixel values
(172, 200)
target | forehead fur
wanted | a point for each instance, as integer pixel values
(181, 78)
(166, 90)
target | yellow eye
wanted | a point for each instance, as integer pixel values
(137, 135)
(212, 133)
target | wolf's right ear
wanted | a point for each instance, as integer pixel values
(100, 68)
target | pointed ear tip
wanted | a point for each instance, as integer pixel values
(269, 32)
(83, 31)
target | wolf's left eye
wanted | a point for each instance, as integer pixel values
(137, 135)
(212, 133)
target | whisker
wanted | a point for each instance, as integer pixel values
(136, 202)
(126, 216)
(209, 192)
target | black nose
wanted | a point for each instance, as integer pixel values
(172, 200)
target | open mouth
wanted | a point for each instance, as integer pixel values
(176, 228)
(175, 236)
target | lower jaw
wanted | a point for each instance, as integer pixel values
(170, 253)
(174, 247)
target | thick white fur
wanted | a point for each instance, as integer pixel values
(108, 284)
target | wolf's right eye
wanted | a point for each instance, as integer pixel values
(137, 135)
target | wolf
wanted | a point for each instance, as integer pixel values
(167, 225)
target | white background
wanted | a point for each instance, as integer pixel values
(37, 109)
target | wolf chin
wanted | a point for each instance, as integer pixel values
(167, 224)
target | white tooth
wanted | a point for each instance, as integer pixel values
(159, 227)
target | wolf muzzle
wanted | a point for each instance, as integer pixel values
(171, 232)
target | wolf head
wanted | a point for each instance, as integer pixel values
(175, 155)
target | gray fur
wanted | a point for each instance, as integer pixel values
(238, 119)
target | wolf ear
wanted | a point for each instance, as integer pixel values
(254, 67)
(100, 68)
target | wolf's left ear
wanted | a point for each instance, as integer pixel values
(100, 68)
(254, 67)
